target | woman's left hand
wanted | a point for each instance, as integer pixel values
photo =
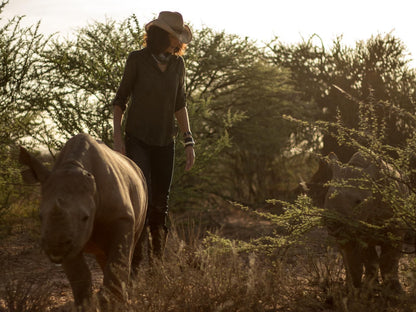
(190, 157)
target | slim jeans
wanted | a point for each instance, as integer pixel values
(156, 162)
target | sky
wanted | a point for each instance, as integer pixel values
(261, 20)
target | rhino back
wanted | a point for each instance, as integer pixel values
(121, 187)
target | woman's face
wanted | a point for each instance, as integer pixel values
(174, 44)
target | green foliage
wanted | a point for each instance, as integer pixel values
(9, 182)
(394, 185)
(382, 131)
(20, 95)
(291, 226)
(255, 163)
(235, 100)
(214, 61)
(256, 116)
(21, 100)
(246, 150)
(246, 98)
(83, 75)
(374, 71)
(216, 65)
(379, 64)
(193, 189)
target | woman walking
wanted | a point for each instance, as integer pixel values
(154, 81)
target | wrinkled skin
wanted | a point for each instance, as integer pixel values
(357, 203)
(94, 200)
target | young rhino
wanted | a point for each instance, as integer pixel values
(94, 200)
(350, 198)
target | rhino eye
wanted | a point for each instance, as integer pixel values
(85, 218)
(358, 201)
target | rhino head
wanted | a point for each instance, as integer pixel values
(67, 207)
(350, 193)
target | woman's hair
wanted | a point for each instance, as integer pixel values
(157, 40)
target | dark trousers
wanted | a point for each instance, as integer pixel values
(156, 162)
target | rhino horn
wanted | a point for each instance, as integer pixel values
(57, 210)
(333, 163)
(37, 171)
(332, 157)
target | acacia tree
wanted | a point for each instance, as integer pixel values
(374, 71)
(21, 97)
(230, 89)
(255, 166)
(214, 62)
(83, 75)
(247, 98)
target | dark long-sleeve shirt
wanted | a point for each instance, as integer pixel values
(155, 97)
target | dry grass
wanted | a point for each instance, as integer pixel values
(195, 276)
(27, 294)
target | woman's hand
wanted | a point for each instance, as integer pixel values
(190, 157)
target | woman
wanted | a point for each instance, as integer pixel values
(154, 80)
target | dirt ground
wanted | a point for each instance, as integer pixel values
(24, 267)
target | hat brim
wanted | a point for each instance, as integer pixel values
(185, 36)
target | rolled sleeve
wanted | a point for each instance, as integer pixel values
(181, 95)
(127, 82)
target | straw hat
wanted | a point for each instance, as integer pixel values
(172, 22)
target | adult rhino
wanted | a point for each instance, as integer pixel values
(94, 200)
(350, 203)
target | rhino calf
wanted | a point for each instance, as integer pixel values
(94, 200)
(349, 201)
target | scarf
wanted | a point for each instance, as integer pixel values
(162, 58)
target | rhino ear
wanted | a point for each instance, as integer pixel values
(37, 172)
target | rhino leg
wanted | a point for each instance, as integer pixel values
(389, 267)
(117, 268)
(370, 260)
(353, 263)
(79, 276)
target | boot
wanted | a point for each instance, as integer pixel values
(158, 236)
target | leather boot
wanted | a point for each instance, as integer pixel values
(158, 236)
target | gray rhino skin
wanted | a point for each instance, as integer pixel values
(94, 201)
(357, 203)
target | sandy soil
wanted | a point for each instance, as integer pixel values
(25, 267)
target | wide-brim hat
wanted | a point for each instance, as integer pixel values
(172, 22)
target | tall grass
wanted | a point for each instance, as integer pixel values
(198, 274)
(27, 294)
